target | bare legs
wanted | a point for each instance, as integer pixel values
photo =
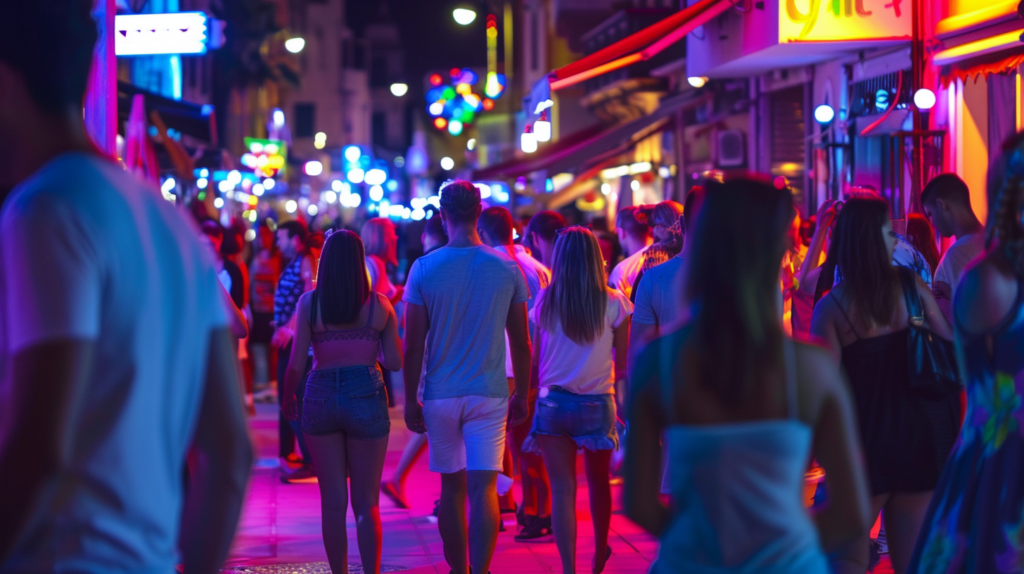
(481, 488)
(904, 514)
(414, 449)
(560, 459)
(332, 455)
(533, 475)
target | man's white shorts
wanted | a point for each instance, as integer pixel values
(466, 433)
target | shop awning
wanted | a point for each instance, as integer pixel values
(187, 118)
(577, 153)
(627, 51)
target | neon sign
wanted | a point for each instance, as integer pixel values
(152, 34)
(842, 20)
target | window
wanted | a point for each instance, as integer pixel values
(305, 120)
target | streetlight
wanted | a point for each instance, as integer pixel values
(294, 45)
(399, 89)
(464, 16)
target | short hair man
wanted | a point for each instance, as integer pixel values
(635, 237)
(495, 227)
(541, 233)
(460, 300)
(947, 203)
(114, 345)
(297, 277)
(433, 236)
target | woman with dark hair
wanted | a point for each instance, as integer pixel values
(743, 407)
(344, 411)
(906, 435)
(975, 517)
(579, 321)
(921, 235)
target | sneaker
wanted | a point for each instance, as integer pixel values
(537, 530)
(390, 490)
(301, 474)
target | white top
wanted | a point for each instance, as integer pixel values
(467, 292)
(537, 277)
(581, 369)
(89, 252)
(955, 260)
(624, 274)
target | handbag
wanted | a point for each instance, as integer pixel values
(931, 359)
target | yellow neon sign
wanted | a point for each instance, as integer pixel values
(978, 48)
(842, 20)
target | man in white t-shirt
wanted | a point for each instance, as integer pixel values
(495, 227)
(114, 346)
(947, 203)
(460, 300)
(635, 237)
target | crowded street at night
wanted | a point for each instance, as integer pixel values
(512, 286)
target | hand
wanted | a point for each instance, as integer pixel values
(290, 407)
(942, 290)
(518, 410)
(282, 337)
(414, 417)
(827, 213)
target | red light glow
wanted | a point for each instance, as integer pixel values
(440, 123)
(488, 104)
(455, 72)
(436, 79)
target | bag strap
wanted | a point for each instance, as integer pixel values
(915, 310)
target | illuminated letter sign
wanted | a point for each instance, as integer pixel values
(152, 34)
(842, 20)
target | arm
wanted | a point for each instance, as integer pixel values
(219, 463)
(621, 342)
(943, 294)
(837, 448)
(642, 468)
(297, 359)
(236, 319)
(826, 213)
(416, 325)
(390, 343)
(45, 389)
(518, 329)
(823, 329)
(933, 315)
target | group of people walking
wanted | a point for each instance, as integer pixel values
(123, 440)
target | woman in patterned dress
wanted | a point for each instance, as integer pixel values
(976, 519)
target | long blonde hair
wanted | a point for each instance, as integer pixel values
(577, 297)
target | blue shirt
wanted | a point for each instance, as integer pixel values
(467, 292)
(289, 288)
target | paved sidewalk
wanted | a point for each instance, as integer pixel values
(281, 523)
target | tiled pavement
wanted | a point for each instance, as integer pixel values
(281, 523)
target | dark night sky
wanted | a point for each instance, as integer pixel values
(432, 39)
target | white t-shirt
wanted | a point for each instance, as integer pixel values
(467, 292)
(89, 252)
(624, 274)
(581, 369)
(537, 277)
(955, 260)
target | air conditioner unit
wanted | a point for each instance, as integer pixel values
(730, 149)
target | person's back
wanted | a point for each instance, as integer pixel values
(144, 287)
(467, 292)
(743, 408)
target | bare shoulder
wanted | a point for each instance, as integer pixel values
(986, 293)
(814, 360)
(819, 378)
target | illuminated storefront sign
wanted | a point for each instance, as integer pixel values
(152, 34)
(843, 20)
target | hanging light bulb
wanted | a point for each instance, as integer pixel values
(528, 141)
(542, 128)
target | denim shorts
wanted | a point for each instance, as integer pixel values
(351, 400)
(587, 419)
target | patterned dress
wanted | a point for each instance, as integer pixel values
(975, 522)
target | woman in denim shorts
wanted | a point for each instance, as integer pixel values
(345, 409)
(579, 321)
